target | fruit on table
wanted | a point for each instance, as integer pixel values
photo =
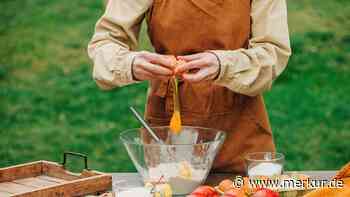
(343, 175)
(225, 185)
(235, 192)
(228, 184)
(246, 186)
(204, 191)
(264, 192)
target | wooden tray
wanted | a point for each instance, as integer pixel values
(50, 179)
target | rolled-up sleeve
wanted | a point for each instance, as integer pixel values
(115, 38)
(251, 71)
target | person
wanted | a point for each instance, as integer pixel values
(233, 49)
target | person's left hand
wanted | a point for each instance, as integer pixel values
(206, 64)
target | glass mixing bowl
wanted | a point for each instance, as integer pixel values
(182, 160)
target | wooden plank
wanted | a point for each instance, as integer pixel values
(89, 173)
(53, 169)
(56, 170)
(35, 182)
(20, 171)
(52, 179)
(80, 187)
(4, 194)
(15, 188)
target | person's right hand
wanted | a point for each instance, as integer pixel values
(149, 66)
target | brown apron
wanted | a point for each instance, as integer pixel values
(181, 27)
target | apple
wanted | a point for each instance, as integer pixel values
(264, 192)
(235, 192)
(204, 191)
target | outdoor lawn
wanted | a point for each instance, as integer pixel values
(49, 102)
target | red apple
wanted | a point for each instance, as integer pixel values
(264, 192)
(235, 192)
(204, 191)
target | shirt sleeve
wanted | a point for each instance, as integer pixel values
(115, 38)
(251, 71)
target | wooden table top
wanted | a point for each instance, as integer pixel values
(134, 180)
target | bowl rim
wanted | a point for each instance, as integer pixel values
(222, 136)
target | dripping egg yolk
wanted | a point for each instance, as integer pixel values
(175, 122)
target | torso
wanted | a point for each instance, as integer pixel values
(192, 26)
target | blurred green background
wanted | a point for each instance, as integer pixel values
(49, 102)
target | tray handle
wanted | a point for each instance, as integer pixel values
(83, 156)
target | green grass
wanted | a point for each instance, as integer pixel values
(49, 103)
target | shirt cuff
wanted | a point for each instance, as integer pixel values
(122, 68)
(231, 64)
(236, 71)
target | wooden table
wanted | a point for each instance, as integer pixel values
(134, 180)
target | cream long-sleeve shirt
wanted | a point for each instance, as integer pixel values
(246, 71)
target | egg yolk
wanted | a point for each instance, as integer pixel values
(185, 170)
(175, 122)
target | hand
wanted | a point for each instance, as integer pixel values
(206, 62)
(149, 66)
